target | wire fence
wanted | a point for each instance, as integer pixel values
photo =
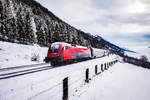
(74, 85)
(55, 88)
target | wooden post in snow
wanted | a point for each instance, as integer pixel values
(87, 76)
(96, 70)
(65, 89)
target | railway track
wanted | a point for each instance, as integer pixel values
(22, 70)
(26, 69)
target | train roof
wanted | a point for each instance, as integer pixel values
(63, 43)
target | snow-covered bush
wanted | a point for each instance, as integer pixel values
(35, 57)
(144, 58)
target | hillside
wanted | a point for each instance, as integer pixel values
(12, 54)
(27, 22)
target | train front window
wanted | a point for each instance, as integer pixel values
(65, 48)
(54, 48)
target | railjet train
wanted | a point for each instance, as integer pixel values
(61, 52)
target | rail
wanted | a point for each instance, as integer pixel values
(22, 70)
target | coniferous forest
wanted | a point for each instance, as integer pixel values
(27, 22)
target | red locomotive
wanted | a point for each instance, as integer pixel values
(59, 52)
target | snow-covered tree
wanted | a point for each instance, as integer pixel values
(144, 58)
(27, 22)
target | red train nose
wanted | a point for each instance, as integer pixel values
(51, 55)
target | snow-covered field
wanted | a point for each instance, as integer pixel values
(121, 81)
(12, 54)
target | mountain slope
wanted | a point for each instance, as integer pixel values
(27, 22)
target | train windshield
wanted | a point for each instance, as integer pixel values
(54, 48)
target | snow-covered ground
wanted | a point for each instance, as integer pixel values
(122, 81)
(12, 54)
(45, 84)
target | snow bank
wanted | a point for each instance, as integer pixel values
(47, 85)
(121, 82)
(12, 54)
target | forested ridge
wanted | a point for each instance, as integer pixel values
(27, 22)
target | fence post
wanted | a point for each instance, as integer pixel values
(105, 66)
(95, 69)
(65, 89)
(102, 67)
(87, 76)
(112, 63)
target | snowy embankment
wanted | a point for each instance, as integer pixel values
(121, 81)
(12, 54)
(47, 85)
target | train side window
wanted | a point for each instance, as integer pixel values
(63, 48)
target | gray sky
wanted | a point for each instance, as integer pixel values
(123, 22)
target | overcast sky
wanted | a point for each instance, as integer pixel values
(123, 22)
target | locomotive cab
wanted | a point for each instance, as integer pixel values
(53, 54)
(57, 53)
